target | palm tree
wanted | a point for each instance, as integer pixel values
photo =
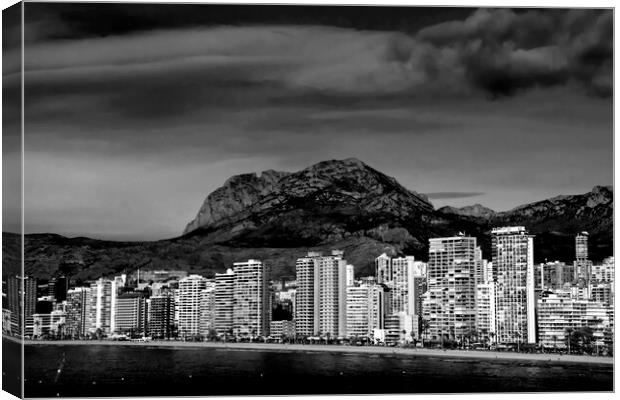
(569, 332)
(425, 325)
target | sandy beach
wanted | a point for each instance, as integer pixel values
(338, 349)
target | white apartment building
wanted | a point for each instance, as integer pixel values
(364, 310)
(190, 296)
(321, 295)
(102, 313)
(450, 302)
(559, 312)
(251, 310)
(223, 302)
(513, 268)
(485, 311)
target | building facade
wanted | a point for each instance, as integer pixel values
(160, 311)
(280, 330)
(365, 310)
(223, 302)
(450, 303)
(103, 294)
(559, 314)
(190, 296)
(513, 267)
(78, 312)
(251, 311)
(321, 295)
(131, 313)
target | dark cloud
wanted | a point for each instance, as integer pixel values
(53, 21)
(452, 195)
(503, 52)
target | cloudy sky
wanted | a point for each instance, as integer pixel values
(134, 113)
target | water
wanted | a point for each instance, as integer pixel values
(145, 371)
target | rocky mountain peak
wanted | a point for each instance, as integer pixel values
(334, 187)
(476, 211)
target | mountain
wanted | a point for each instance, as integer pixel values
(475, 211)
(337, 204)
(326, 202)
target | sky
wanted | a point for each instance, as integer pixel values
(135, 113)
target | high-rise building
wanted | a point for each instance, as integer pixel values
(78, 312)
(103, 294)
(582, 264)
(407, 276)
(350, 275)
(22, 300)
(485, 311)
(190, 296)
(304, 298)
(131, 313)
(252, 308)
(161, 316)
(553, 275)
(513, 269)
(383, 268)
(58, 287)
(207, 309)
(450, 302)
(223, 306)
(364, 310)
(321, 295)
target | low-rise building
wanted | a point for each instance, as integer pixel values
(558, 314)
(282, 329)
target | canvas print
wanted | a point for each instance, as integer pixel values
(233, 199)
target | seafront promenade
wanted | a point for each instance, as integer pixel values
(479, 354)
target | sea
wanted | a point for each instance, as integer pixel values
(102, 371)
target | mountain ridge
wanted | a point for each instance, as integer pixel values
(278, 216)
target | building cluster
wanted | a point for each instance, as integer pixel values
(455, 297)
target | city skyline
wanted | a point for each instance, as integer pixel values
(141, 126)
(457, 294)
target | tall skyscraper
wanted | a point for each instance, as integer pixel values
(161, 316)
(321, 295)
(383, 268)
(485, 310)
(103, 295)
(350, 275)
(364, 310)
(78, 312)
(251, 311)
(58, 287)
(582, 264)
(450, 303)
(223, 307)
(131, 313)
(513, 269)
(22, 299)
(190, 296)
(207, 309)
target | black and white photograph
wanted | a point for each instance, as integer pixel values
(229, 199)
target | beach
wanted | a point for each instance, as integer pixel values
(278, 347)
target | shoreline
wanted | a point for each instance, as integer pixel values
(476, 354)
